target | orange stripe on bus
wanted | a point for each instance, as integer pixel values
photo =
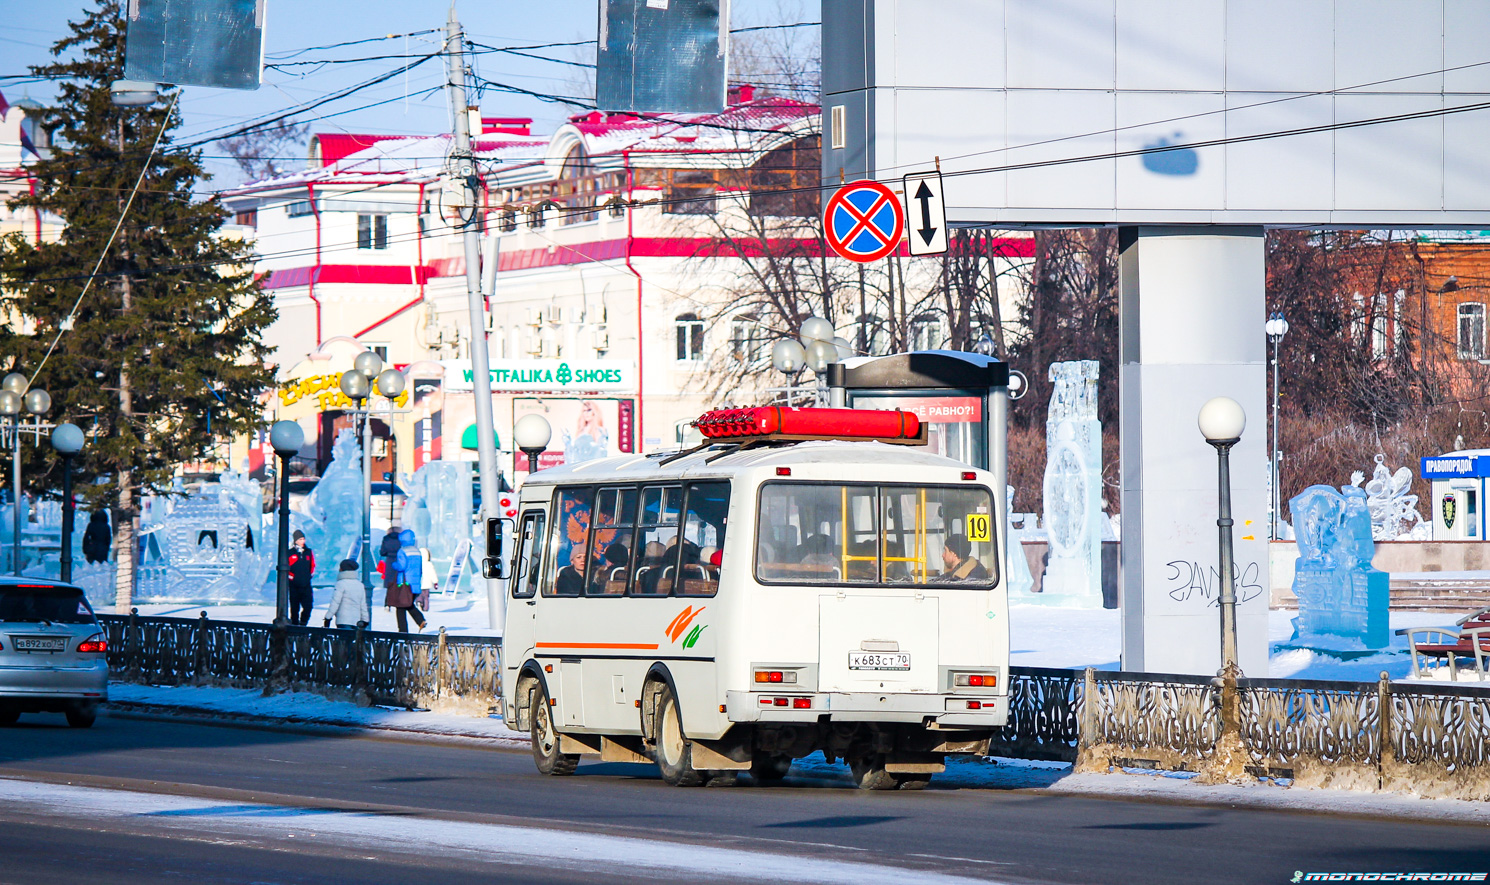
(637, 645)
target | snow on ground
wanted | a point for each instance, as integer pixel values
(463, 613)
(653, 856)
(304, 708)
(1039, 636)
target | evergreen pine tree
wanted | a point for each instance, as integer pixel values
(165, 351)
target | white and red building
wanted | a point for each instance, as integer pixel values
(605, 277)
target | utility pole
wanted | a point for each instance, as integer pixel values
(125, 532)
(462, 171)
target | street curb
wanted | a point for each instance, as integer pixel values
(307, 725)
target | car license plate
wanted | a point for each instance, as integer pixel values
(39, 643)
(878, 660)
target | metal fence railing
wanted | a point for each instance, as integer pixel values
(400, 669)
(1432, 741)
(1427, 740)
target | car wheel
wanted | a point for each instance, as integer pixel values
(546, 753)
(869, 773)
(9, 717)
(674, 754)
(82, 717)
(771, 768)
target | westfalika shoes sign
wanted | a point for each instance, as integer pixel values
(571, 376)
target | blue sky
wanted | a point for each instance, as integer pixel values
(295, 25)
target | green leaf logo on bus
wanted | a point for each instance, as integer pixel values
(693, 635)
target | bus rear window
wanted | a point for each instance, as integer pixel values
(824, 533)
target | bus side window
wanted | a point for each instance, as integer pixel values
(656, 541)
(571, 534)
(529, 560)
(701, 553)
(610, 546)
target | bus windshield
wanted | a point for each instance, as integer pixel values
(866, 534)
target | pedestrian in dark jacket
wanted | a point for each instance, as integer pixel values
(388, 552)
(302, 563)
(97, 538)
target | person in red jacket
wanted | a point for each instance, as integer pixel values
(302, 564)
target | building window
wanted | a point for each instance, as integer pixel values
(784, 183)
(372, 232)
(838, 126)
(691, 192)
(382, 351)
(247, 218)
(926, 334)
(1471, 331)
(577, 186)
(690, 338)
(746, 340)
(299, 209)
(509, 221)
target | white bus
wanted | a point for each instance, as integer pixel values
(740, 606)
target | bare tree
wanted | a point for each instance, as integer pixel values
(268, 152)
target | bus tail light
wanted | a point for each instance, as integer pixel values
(975, 705)
(802, 703)
(775, 676)
(783, 471)
(779, 702)
(968, 474)
(975, 680)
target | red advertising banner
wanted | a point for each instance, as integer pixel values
(931, 409)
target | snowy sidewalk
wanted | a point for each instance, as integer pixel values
(248, 705)
(298, 709)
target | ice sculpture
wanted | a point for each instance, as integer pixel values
(1017, 577)
(332, 519)
(1340, 594)
(439, 510)
(202, 546)
(1394, 513)
(1073, 488)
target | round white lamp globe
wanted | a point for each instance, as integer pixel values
(1222, 418)
(532, 433)
(286, 437)
(67, 438)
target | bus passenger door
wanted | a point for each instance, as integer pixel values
(518, 635)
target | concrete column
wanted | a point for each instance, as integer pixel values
(1192, 314)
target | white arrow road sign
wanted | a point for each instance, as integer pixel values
(925, 214)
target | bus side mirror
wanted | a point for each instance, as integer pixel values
(495, 563)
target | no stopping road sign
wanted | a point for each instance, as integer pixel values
(864, 221)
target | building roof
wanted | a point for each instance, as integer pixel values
(733, 138)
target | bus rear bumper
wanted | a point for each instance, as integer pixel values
(943, 709)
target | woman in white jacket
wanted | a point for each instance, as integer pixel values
(349, 599)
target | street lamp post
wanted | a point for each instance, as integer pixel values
(14, 396)
(1222, 421)
(67, 440)
(531, 433)
(1276, 328)
(358, 383)
(286, 437)
(815, 348)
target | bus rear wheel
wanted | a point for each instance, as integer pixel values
(546, 753)
(674, 755)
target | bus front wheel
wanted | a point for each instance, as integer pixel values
(674, 755)
(546, 753)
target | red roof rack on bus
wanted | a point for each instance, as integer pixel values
(775, 423)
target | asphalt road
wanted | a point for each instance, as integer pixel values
(220, 804)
